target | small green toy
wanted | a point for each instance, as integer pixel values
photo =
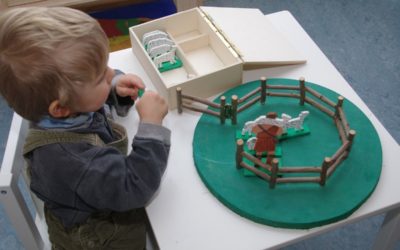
(140, 92)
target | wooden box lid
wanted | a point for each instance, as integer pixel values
(254, 38)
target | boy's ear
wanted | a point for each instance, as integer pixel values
(56, 110)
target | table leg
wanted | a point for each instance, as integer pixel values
(389, 232)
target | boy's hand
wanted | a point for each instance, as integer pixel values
(129, 85)
(152, 108)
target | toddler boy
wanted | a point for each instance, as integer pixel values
(54, 73)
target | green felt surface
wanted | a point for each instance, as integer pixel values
(291, 205)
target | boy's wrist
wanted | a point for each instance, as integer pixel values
(150, 120)
(121, 104)
(154, 131)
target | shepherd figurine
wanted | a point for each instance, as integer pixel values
(266, 135)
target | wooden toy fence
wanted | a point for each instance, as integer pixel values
(275, 175)
(225, 111)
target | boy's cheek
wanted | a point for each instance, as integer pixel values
(110, 75)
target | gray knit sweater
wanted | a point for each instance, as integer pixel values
(78, 179)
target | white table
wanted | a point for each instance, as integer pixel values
(185, 215)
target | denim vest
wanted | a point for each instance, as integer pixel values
(102, 230)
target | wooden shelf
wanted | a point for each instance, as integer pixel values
(92, 5)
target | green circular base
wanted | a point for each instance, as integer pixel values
(290, 205)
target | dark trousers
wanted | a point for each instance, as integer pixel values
(111, 230)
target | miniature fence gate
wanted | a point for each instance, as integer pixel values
(317, 100)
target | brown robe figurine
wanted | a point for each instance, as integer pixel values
(266, 138)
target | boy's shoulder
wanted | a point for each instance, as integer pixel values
(39, 138)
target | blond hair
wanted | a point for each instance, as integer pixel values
(46, 54)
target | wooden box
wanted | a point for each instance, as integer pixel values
(215, 45)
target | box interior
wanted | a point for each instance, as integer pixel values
(200, 47)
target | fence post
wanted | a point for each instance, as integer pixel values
(179, 99)
(302, 90)
(263, 89)
(239, 151)
(325, 166)
(274, 173)
(222, 109)
(350, 137)
(234, 109)
(339, 104)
